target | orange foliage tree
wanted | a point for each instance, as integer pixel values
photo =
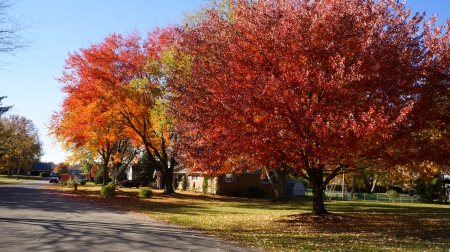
(61, 168)
(83, 123)
(117, 88)
(307, 85)
(88, 120)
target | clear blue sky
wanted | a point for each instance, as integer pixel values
(63, 26)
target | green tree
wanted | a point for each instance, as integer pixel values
(3, 109)
(144, 170)
(23, 145)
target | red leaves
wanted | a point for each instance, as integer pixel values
(296, 81)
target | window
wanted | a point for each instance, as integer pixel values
(73, 172)
(229, 178)
(194, 177)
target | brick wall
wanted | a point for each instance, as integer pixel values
(242, 181)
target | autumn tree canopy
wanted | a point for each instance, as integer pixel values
(23, 147)
(309, 85)
(116, 88)
(61, 168)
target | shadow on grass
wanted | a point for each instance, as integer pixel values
(386, 208)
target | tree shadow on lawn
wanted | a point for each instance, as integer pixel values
(430, 226)
(178, 204)
(387, 208)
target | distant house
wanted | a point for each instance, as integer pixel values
(229, 184)
(225, 184)
(76, 172)
(37, 168)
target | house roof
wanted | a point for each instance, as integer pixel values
(74, 168)
(180, 169)
(42, 167)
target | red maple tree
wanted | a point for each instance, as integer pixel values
(302, 85)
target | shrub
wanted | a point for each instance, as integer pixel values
(64, 177)
(108, 190)
(83, 182)
(75, 185)
(393, 195)
(65, 183)
(356, 197)
(205, 185)
(194, 189)
(175, 184)
(43, 174)
(184, 183)
(145, 192)
(257, 192)
(245, 193)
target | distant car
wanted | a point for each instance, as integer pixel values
(53, 180)
(129, 183)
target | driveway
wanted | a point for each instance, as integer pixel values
(34, 219)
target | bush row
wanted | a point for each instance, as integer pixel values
(251, 192)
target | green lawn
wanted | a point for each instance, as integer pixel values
(4, 179)
(288, 226)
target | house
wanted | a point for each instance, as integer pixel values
(76, 172)
(37, 168)
(225, 184)
(229, 184)
(194, 179)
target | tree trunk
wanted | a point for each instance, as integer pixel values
(105, 174)
(354, 186)
(374, 184)
(168, 181)
(367, 185)
(167, 176)
(278, 181)
(440, 187)
(316, 179)
(318, 205)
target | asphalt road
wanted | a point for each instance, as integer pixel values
(34, 219)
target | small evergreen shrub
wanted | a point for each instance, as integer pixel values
(108, 190)
(393, 195)
(83, 182)
(257, 192)
(43, 174)
(175, 184)
(245, 193)
(75, 185)
(205, 185)
(145, 192)
(184, 183)
(356, 197)
(98, 179)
